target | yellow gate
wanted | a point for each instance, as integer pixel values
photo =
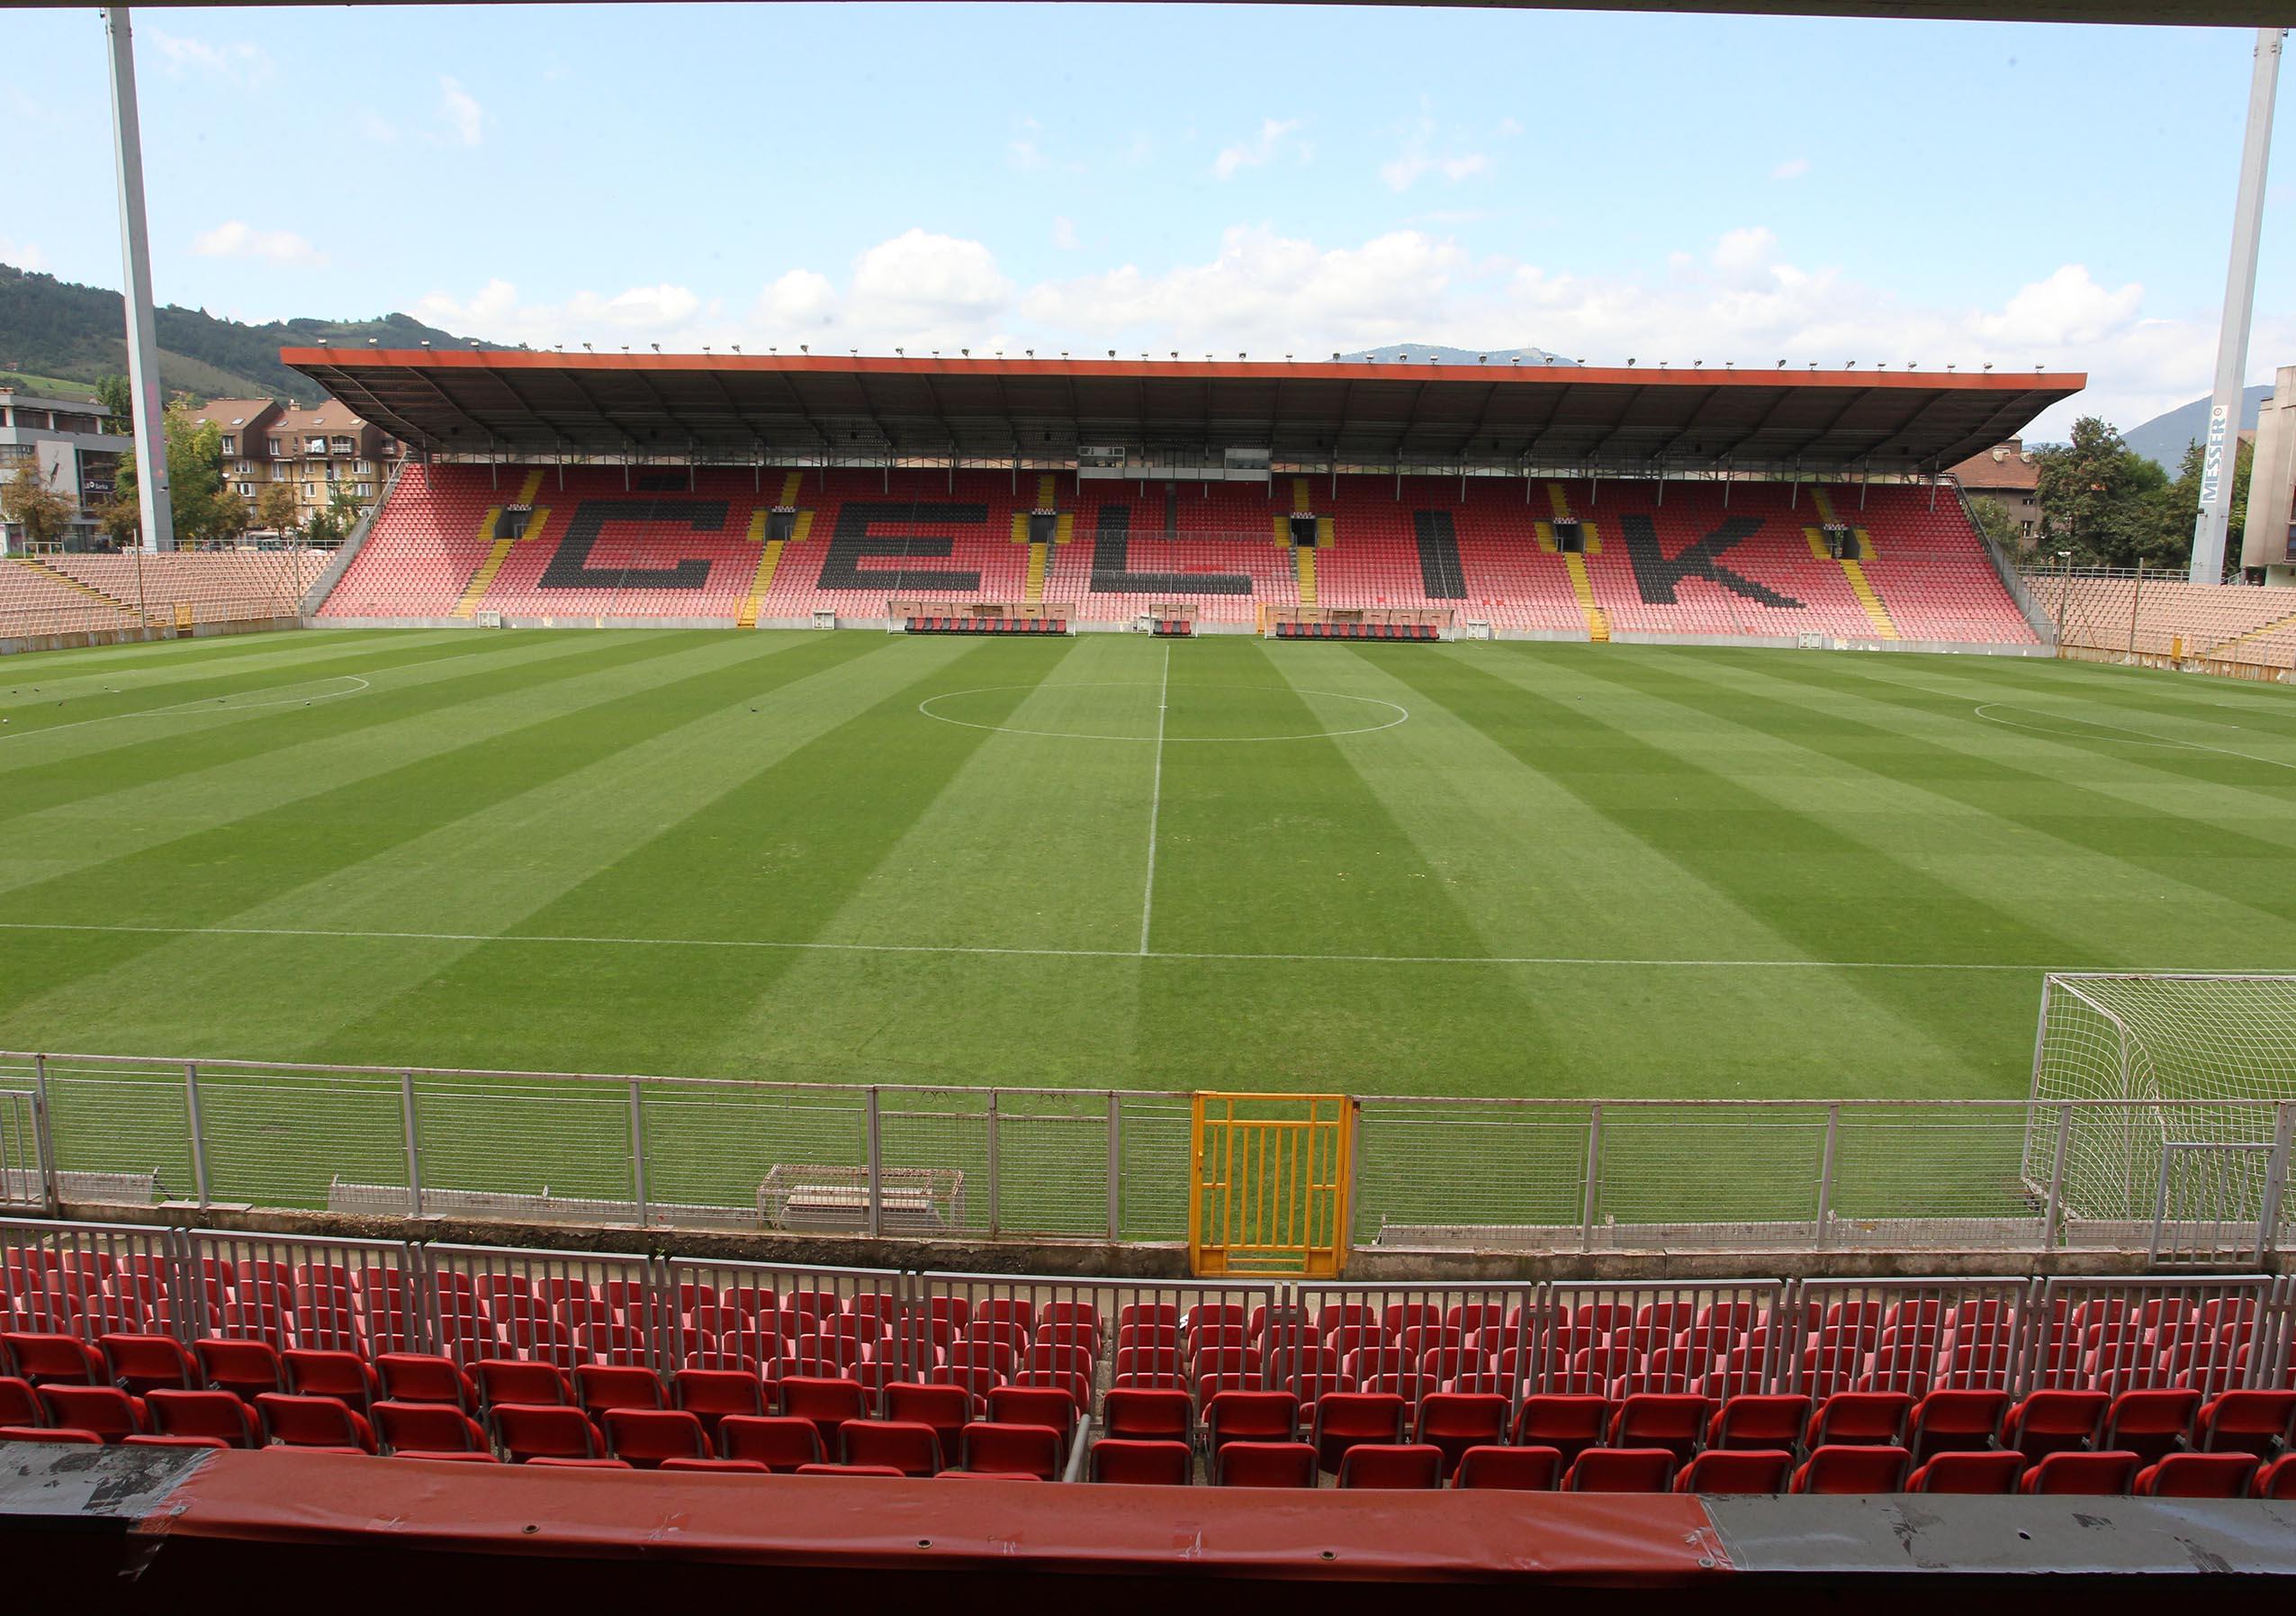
(1269, 1184)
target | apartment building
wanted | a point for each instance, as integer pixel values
(78, 457)
(318, 451)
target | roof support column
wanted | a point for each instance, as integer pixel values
(2220, 455)
(153, 497)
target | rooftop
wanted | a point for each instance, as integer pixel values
(749, 407)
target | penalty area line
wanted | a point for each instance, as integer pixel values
(1593, 961)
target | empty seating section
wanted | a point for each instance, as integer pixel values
(2166, 616)
(742, 545)
(2166, 1388)
(73, 595)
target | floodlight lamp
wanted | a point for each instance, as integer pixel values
(1988, 368)
(1242, 356)
(1630, 362)
(375, 342)
(656, 347)
(1334, 356)
(586, 348)
(1029, 351)
(1175, 354)
(322, 342)
(901, 352)
(1482, 359)
(425, 342)
(737, 348)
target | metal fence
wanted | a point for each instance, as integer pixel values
(1534, 1175)
(1722, 1337)
(2158, 620)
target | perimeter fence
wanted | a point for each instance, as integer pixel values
(1114, 1165)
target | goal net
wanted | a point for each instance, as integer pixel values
(2208, 1058)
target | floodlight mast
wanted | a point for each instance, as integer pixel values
(2220, 455)
(152, 496)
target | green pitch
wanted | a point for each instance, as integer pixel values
(1109, 862)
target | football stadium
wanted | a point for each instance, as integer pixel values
(1371, 970)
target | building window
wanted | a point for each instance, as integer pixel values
(311, 491)
(275, 450)
(232, 446)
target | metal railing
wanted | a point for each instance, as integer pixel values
(1111, 1165)
(1721, 1337)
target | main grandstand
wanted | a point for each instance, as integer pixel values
(1557, 502)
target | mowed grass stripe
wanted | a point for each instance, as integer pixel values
(774, 855)
(2271, 708)
(100, 779)
(2130, 867)
(1556, 887)
(480, 872)
(1828, 894)
(319, 751)
(1274, 847)
(1026, 845)
(224, 869)
(2250, 871)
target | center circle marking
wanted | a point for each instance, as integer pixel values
(1402, 714)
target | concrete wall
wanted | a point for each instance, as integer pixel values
(128, 636)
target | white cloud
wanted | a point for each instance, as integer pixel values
(460, 109)
(1418, 159)
(23, 255)
(1791, 169)
(238, 62)
(1063, 234)
(1276, 136)
(1737, 297)
(235, 239)
(374, 126)
(1262, 292)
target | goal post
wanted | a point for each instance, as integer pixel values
(2125, 1065)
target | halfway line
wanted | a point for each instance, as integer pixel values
(1155, 801)
(1107, 954)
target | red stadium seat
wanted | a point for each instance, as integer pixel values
(45, 1357)
(248, 1368)
(527, 1383)
(1342, 1420)
(1858, 1418)
(424, 1377)
(139, 1364)
(106, 1410)
(647, 1436)
(2089, 1474)
(945, 1409)
(990, 1447)
(1673, 1420)
(723, 1467)
(2055, 1422)
(1955, 1421)
(216, 1415)
(1141, 1414)
(908, 1446)
(1760, 1419)
(1390, 1467)
(326, 1373)
(296, 1421)
(527, 1431)
(1568, 1423)
(1854, 1468)
(2277, 1479)
(425, 1428)
(1456, 1421)
(2151, 1423)
(1620, 1470)
(1510, 1469)
(827, 1401)
(1723, 1470)
(780, 1442)
(1250, 1417)
(1143, 1462)
(598, 1388)
(2256, 1421)
(20, 1402)
(1997, 1471)
(1265, 1465)
(2197, 1476)
(50, 1433)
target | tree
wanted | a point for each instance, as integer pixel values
(205, 509)
(1996, 524)
(2103, 503)
(119, 404)
(121, 519)
(332, 526)
(2181, 501)
(276, 507)
(30, 500)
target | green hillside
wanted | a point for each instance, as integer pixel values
(52, 329)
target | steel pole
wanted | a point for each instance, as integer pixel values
(2218, 452)
(152, 495)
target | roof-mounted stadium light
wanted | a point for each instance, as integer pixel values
(425, 342)
(586, 348)
(1175, 354)
(1334, 357)
(1112, 353)
(1029, 351)
(901, 353)
(375, 342)
(1630, 362)
(1781, 365)
(966, 351)
(656, 347)
(736, 347)
(1242, 356)
(322, 342)
(1482, 359)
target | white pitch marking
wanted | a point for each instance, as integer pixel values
(205, 706)
(1156, 799)
(2137, 738)
(1589, 961)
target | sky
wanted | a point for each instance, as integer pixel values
(1267, 180)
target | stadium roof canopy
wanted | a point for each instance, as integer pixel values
(744, 408)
